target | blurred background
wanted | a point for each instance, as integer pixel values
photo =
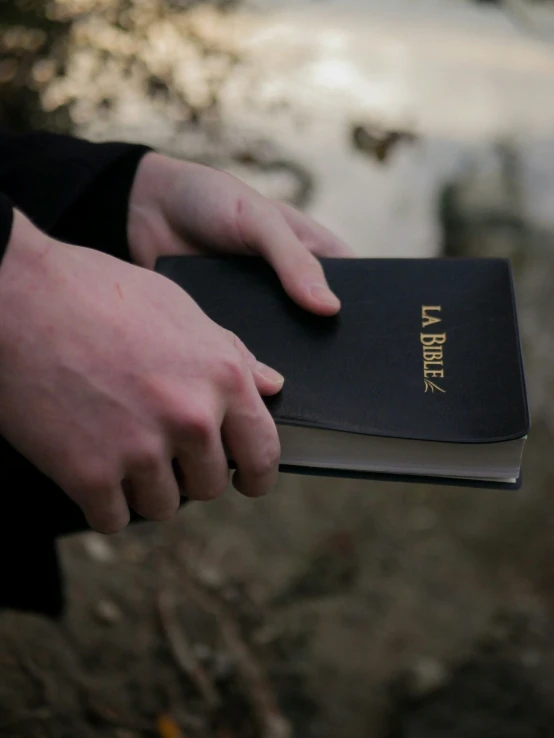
(331, 609)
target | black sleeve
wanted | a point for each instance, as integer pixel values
(6, 220)
(75, 190)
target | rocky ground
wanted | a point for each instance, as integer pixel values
(331, 609)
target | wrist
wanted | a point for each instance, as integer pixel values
(148, 231)
(23, 272)
(26, 244)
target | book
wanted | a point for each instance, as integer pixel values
(418, 378)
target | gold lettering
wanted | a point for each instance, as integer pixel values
(429, 319)
(431, 386)
(432, 354)
(433, 339)
(432, 345)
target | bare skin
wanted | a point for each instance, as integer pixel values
(110, 373)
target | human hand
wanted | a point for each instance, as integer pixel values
(109, 373)
(185, 208)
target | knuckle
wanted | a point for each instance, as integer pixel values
(194, 419)
(154, 501)
(198, 423)
(238, 217)
(96, 487)
(146, 457)
(238, 344)
(266, 462)
(231, 373)
(92, 482)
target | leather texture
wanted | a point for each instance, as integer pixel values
(362, 371)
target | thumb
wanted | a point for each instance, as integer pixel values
(268, 381)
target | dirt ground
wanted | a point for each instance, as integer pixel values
(335, 609)
(330, 609)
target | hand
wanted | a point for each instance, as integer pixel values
(185, 208)
(109, 373)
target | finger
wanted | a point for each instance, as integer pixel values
(253, 443)
(106, 510)
(152, 490)
(318, 239)
(203, 468)
(267, 233)
(268, 381)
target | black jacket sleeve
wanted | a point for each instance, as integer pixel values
(75, 190)
(6, 220)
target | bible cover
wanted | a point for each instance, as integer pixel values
(422, 350)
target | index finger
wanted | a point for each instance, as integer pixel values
(267, 233)
(318, 239)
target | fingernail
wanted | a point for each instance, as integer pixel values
(323, 294)
(270, 374)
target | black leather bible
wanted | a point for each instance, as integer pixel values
(419, 377)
